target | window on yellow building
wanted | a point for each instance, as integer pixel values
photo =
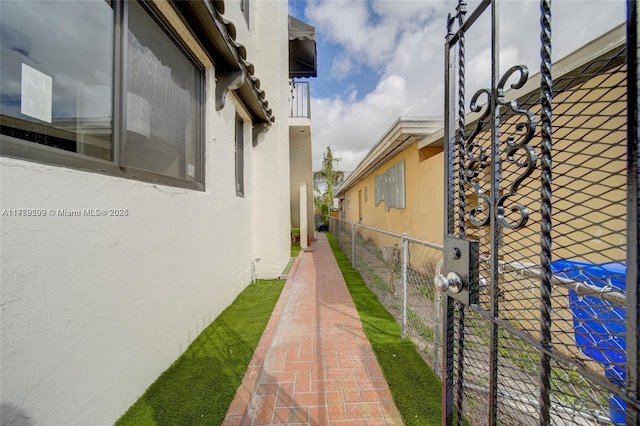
(390, 187)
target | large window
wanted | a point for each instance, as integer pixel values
(57, 74)
(125, 100)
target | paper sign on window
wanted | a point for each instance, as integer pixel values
(36, 94)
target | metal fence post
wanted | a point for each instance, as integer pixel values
(633, 209)
(405, 250)
(436, 333)
(353, 245)
(546, 92)
(371, 265)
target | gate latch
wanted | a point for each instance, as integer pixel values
(460, 279)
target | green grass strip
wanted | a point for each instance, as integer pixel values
(295, 249)
(415, 388)
(287, 268)
(199, 387)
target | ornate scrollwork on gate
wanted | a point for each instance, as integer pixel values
(517, 142)
(517, 150)
(477, 160)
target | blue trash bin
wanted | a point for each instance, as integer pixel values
(599, 326)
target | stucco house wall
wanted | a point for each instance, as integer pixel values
(589, 165)
(588, 188)
(95, 308)
(422, 216)
(588, 182)
(301, 169)
(272, 220)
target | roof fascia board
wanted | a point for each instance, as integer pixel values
(402, 133)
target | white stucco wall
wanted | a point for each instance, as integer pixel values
(301, 170)
(93, 309)
(272, 242)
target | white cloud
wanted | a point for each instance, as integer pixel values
(404, 42)
(351, 93)
(341, 67)
(348, 24)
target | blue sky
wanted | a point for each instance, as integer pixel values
(382, 59)
(364, 77)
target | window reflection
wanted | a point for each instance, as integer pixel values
(56, 66)
(163, 85)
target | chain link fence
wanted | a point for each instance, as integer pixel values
(399, 269)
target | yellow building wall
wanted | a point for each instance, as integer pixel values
(588, 188)
(588, 201)
(422, 216)
(588, 198)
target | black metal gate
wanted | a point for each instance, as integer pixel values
(540, 277)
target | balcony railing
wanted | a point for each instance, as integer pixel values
(300, 99)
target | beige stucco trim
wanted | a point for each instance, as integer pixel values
(402, 133)
(422, 216)
(177, 25)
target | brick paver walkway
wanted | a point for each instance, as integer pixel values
(314, 364)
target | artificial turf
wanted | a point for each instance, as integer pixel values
(415, 388)
(199, 387)
(295, 249)
(295, 242)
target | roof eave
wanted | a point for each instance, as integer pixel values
(233, 72)
(401, 134)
